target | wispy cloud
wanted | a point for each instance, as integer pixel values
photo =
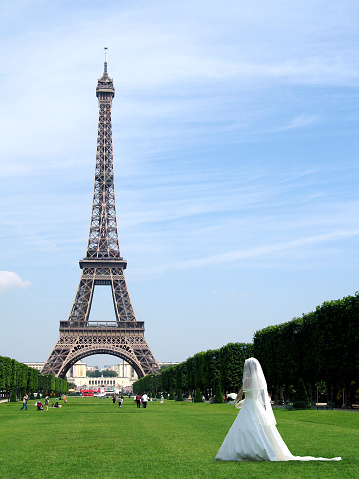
(260, 251)
(301, 121)
(180, 73)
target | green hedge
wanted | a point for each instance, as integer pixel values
(320, 346)
(20, 378)
(221, 367)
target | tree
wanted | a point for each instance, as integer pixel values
(198, 396)
(218, 398)
(93, 374)
(301, 400)
(179, 395)
(106, 373)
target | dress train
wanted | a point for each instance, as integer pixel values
(249, 440)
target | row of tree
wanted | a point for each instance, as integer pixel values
(321, 346)
(206, 370)
(19, 378)
(106, 373)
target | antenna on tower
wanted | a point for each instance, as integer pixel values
(105, 66)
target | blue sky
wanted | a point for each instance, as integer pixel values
(235, 128)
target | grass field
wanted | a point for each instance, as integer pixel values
(92, 437)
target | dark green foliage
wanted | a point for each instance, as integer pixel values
(198, 396)
(13, 396)
(203, 370)
(322, 345)
(301, 398)
(179, 396)
(20, 378)
(231, 359)
(172, 395)
(33, 380)
(153, 383)
(109, 374)
(307, 347)
(218, 398)
(106, 373)
(93, 374)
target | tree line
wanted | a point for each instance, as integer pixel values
(321, 347)
(106, 373)
(18, 378)
(204, 371)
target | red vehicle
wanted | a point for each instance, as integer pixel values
(88, 392)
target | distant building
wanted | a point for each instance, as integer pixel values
(126, 375)
(78, 370)
(37, 366)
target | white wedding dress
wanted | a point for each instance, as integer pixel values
(253, 435)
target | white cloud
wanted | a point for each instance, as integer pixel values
(8, 280)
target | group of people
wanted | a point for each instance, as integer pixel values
(39, 404)
(144, 400)
(141, 400)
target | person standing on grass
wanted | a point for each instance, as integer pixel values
(253, 435)
(138, 400)
(144, 400)
(47, 403)
(24, 402)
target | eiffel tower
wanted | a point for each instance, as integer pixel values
(102, 265)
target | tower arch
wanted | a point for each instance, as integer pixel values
(91, 352)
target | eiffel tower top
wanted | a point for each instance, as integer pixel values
(103, 246)
(105, 83)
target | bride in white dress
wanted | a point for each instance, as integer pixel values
(253, 435)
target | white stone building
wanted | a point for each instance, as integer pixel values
(126, 376)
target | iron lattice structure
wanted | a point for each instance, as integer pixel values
(103, 265)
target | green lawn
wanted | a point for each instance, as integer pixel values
(92, 437)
